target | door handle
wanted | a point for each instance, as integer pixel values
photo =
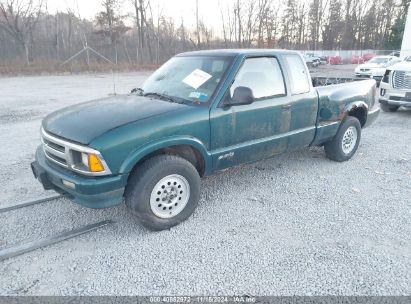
(286, 107)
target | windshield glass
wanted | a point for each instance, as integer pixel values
(191, 79)
(378, 60)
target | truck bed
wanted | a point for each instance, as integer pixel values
(335, 100)
(320, 81)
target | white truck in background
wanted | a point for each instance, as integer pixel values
(395, 87)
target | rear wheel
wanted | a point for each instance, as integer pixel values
(388, 108)
(345, 143)
(163, 191)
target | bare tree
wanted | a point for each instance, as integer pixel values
(111, 23)
(290, 24)
(29, 30)
(301, 15)
(332, 33)
(19, 19)
(223, 24)
(263, 9)
(198, 26)
(140, 16)
(315, 16)
(238, 24)
(250, 25)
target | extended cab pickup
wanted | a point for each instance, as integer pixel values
(199, 113)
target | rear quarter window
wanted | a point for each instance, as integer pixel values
(298, 75)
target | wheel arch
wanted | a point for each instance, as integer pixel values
(190, 149)
(359, 110)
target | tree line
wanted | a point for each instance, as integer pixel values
(30, 34)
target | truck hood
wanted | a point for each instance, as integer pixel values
(84, 122)
(401, 66)
(378, 72)
(371, 65)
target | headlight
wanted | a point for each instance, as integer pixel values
(84, 159)
(386, 76)
(88, 162)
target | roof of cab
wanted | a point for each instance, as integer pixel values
(236, 52)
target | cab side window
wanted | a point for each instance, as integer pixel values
(262, 75)
(298, 74)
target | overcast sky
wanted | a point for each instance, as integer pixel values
(177, 9)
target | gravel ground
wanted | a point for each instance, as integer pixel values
(297, 224)
(345, 70)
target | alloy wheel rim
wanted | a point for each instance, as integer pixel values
(170, 196)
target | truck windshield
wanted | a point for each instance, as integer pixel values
(189, 79)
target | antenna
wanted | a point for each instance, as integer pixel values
(114, 81)
(88, 49)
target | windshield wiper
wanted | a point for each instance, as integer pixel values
(139, 91)
(162, 96)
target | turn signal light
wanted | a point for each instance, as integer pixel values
(94, 163)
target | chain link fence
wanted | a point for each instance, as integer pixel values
(336, 57)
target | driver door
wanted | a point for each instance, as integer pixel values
(246, 133)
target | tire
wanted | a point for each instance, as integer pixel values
(161, 186)
(388, 108)
(335, 149)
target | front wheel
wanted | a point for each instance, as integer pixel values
(345, 143)
(388, 108)
(163, 191)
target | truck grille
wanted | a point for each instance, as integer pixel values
(69, 155)
(54, 150)
(401, 80)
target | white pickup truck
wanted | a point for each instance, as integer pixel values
(395, 87)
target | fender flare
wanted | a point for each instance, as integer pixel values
(134, 157)
(356, 105)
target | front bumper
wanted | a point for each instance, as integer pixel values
(393, 97)
(91, 192)
(363, 74)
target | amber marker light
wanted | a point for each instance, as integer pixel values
(94, 163)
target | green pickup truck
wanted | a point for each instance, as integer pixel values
(199, 113)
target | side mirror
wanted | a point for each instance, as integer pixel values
(241, 96)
